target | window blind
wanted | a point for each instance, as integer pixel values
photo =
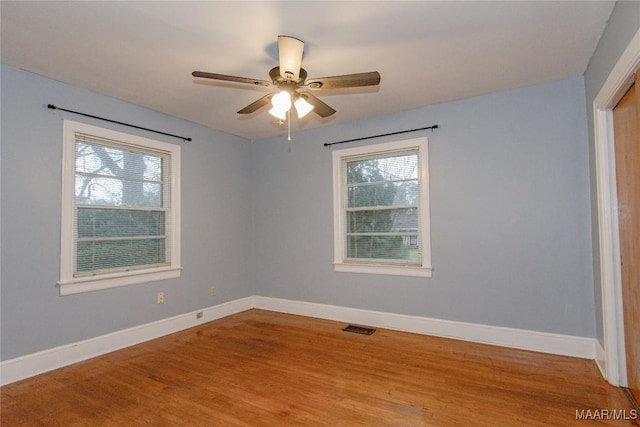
(122, 207)
(382, 207)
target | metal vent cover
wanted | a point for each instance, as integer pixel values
(359, 330)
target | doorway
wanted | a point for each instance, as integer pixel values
(610, 347)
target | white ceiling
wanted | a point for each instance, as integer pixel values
(427, 52)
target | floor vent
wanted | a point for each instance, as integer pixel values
(359, 330)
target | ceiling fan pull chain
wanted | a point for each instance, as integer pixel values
(289, 125)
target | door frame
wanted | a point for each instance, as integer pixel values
(611, 358)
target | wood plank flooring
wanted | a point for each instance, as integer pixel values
(260, 368)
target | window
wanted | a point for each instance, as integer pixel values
(120, 209)
(381, 209)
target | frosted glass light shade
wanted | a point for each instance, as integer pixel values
(280, 114)
(302, 107)
(281, 100)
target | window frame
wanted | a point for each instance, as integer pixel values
(340, 157)
(68, 283)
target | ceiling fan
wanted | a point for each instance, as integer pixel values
(292, 86)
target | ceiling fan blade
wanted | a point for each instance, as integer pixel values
(235, 79)
(254, 106)
(371, 78)
(319, 107)
(290, 52)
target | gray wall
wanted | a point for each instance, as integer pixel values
(623, 24)
(216, 220)
(510, 221)
(510, 217)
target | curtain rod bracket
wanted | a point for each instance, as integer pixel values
(384, 134)
(53, 107)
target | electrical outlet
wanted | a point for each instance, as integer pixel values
(199, 315)
(213, 291)
(160, 298)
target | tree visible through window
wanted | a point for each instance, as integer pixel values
(381, 207)
(120, 210)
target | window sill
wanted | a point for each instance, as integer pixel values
(106, 281)
(394, 270)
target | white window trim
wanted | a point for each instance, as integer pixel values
(339, 218)
(72, 285)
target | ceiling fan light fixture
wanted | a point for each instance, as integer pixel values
(279, 114)
(302, 107)
(281, 101)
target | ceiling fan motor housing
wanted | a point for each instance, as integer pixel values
(278, 80)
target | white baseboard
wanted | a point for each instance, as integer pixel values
(36, 363)
(601, 359)
(544, 342)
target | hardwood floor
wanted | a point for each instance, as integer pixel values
(260, 368)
